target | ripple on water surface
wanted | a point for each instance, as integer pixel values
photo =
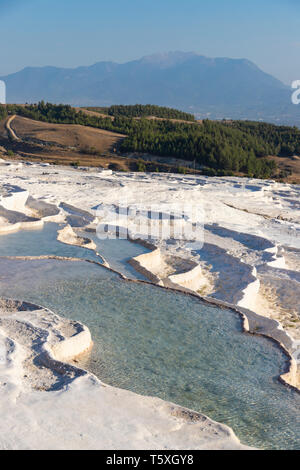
(169, 345)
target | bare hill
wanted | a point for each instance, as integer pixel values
(76, 137)
(66, 144)
(288, 168)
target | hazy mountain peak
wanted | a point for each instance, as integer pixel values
(168, 59)
(210, 87)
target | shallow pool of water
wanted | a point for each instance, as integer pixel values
(165, 344)
(44, 242)
(41, 242)
(117, 252)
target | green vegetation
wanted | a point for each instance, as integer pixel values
(75, 164)
(221, 148)
(141, 166)
(3, 112)
(279, 140)
(140, 110)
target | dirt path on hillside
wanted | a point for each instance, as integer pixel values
(10, 131)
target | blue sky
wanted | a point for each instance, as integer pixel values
(69, 33)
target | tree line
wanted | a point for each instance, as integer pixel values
(219, 147)
(140, 110)
(3, 112)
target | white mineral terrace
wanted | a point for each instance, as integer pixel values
(249, 258)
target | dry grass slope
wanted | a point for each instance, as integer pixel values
(65, 144)
(75, 136)
(87, 146)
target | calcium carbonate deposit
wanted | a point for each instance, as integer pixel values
(140, 339)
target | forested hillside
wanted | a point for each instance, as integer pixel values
(140, 110)
(223, 147)
(3, 112)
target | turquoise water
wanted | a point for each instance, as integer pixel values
(168, 345)
(117, 253)
(42, 242)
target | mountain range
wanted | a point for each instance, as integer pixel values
(215, 88)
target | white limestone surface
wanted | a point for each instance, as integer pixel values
(250, 255)
(46, 404)
(248, 224)
(68, 236)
